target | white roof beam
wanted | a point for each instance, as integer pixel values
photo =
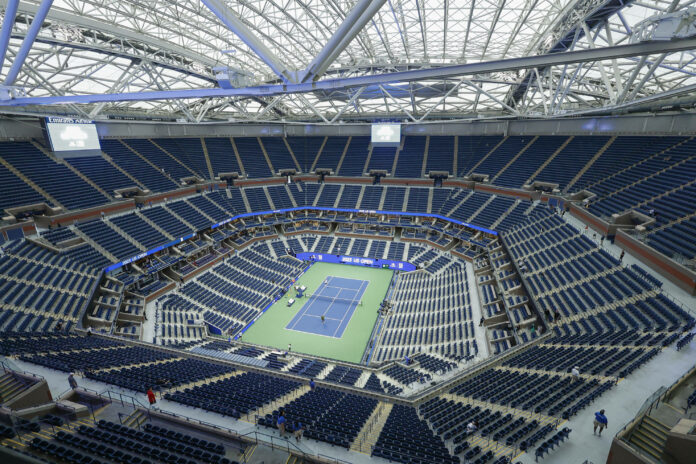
(356, 20)
(233, 23)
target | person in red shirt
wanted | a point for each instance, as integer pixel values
(151, 396)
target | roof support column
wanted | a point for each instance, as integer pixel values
(361, 13)
(233, 23)
(28, 41)
(7, 23)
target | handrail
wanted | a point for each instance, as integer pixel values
(661, 395)
(7, 368)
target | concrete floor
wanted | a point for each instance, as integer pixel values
(621, 404)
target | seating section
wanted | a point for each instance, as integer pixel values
(278, 153)
(407, 439)
(517, 173)
(382, 158)
(112, 442)
(472, 150)
(156, 376)
(319, 411)
(146, 173)
(331, 153)
(343, 375)
(356, 155)
(139, 230)
(431, 313)
(166, 221)
(102, 173)
(15, 192)
(188, 152)
(235, 396)
(440, 154)
(305, 150)
(572, 158)
(221, 155)
(15, 343)
(235, 292)
(56, 179)
(154, 153)
(250, 153)
(107, 238)
(40, 289)
(410, 160)
(81, 361)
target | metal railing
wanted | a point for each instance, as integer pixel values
(661, 395)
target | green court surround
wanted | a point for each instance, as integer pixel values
(269, 329)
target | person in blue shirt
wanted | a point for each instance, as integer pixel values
(281, 423)
(601, 421)
(312, 385)
(299, 430)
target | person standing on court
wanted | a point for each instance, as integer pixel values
(601, 421)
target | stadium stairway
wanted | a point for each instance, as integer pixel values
(177, 160)
(644, 180)
(154, 225)
(126, 236)
(589, 164)
(208, 164)
(368, 435)
(135, 181)
(29, 182)
(181, 219)
(285, 399)
(650, 436)
(10, 387)
(94, 244)
(549, 160)
(609, 178)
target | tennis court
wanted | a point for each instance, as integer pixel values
(346, 344)
(336, 299)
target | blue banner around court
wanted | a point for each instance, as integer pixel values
(357, 261)
(132, 259)
(349, 210)
(300, 208)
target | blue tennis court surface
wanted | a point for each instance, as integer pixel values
(335, 299)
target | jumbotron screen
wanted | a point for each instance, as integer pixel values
(386, 135)
(68, 134)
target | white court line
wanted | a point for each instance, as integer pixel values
(313, 300)
(358, 295)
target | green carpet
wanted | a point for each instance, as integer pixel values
(269, 329)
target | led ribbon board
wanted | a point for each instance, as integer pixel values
(356, 261)
(300, 208)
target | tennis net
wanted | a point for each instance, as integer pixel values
(331, 299)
